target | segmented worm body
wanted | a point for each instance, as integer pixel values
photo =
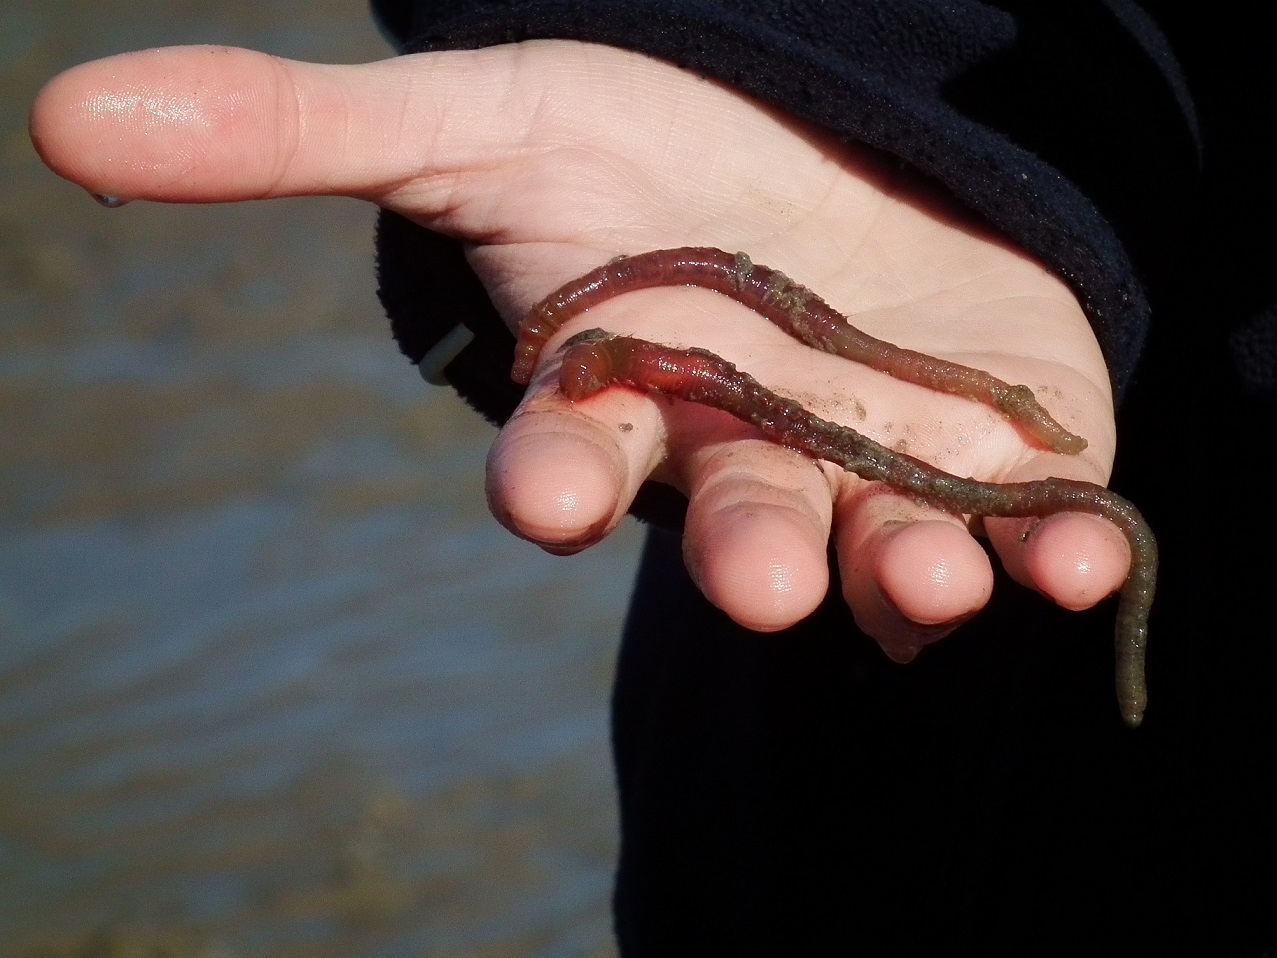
(793, 308)
(595, 360)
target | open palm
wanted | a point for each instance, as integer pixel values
(550, 158)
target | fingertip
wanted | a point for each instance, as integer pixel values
(1075, 559)
(763, 564)
(757, 532)
(910, 581)
(548, 483)
(933, 572)
(140, 124)
(196, 124)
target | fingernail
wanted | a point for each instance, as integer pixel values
(905, 651)
(110, 202)
(903, 654)
(1031, 529)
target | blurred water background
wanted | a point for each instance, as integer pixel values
(272, 683)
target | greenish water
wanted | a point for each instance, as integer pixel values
(272, 682)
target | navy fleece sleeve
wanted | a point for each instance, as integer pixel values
(1064, 124)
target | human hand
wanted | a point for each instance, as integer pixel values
(549, 158)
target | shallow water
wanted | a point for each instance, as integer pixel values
(272, 682)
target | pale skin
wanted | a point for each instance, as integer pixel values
(550, 158)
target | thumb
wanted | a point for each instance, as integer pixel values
(213, 124)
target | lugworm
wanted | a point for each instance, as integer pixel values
(595, 360)
(793, 308)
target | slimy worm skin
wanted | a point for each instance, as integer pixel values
(793, 308)
(594, 360)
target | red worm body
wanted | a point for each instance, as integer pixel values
(793, 308)
(594, 360)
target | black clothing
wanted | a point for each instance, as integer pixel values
(797, 794)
